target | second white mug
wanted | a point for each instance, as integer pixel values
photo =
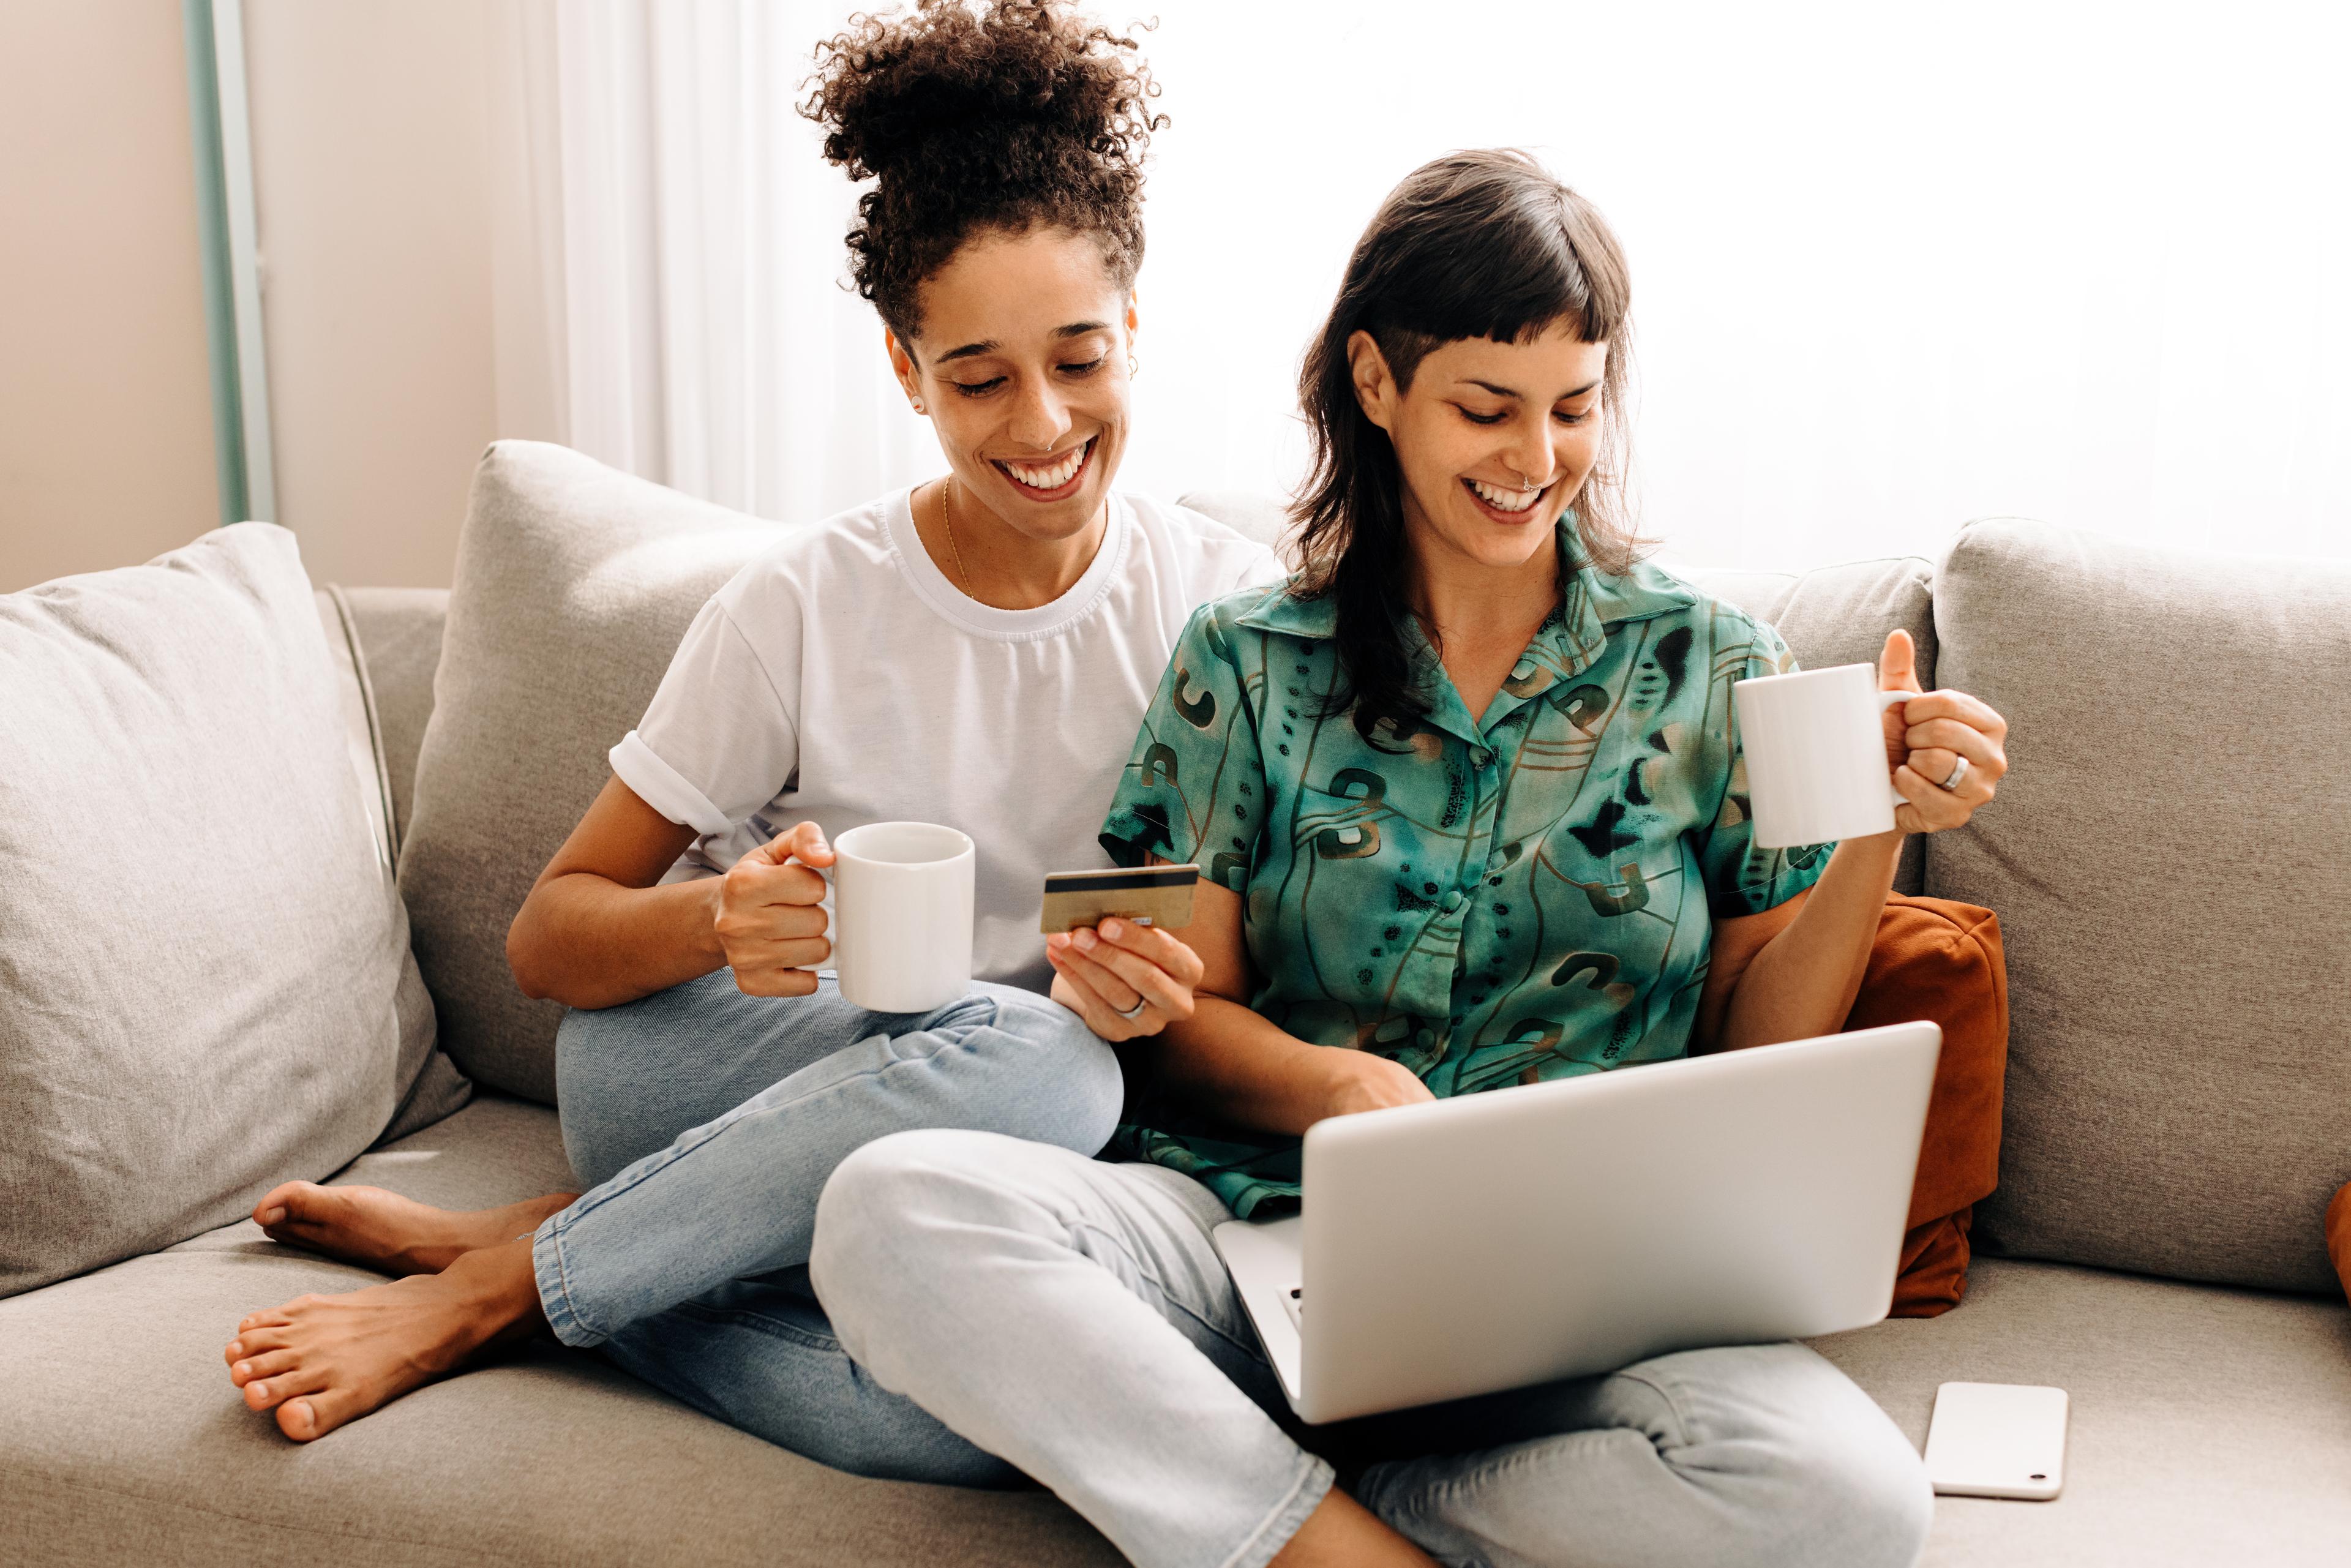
(901, 896)
(1815, 749)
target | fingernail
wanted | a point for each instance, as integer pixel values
(1110, 929)
(272, 1215)
(242, 1369)
(1058, 940)
(1085, 938)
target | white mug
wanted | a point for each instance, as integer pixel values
(1815, 749)
(902, 915)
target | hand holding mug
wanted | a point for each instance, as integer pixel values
(772, 921)
(1849, 752)
(1125, 980)
(1926, 738)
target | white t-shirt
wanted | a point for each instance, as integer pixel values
(840, 678)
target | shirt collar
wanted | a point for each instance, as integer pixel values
(1279, 609)
(1575, 636)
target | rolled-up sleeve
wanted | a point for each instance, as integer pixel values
(718, 740)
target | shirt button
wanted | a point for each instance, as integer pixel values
(1454, 899)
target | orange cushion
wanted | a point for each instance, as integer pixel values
(2339, 1235)
(1941, 960)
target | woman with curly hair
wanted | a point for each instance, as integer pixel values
(977, 652)
(1472, 815)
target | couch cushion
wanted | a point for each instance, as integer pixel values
(2339, 1235)
(398, 634)
(2171, 863)
(205, 986)
(574, 583)
(1260, 515)
(121, 1439)
(1938, 960)
(2209, 1424)
(363, 739)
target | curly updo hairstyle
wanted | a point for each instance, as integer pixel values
(1003, 116)
(1482, 243)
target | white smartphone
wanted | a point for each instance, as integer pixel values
(1997, 1439)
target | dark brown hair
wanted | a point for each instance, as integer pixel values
(1004, 117)
(1474, 245)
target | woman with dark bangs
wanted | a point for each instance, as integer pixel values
(1471, 770)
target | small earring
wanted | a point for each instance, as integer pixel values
(1133, 369)
(919, 408)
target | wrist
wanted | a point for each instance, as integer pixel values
(1314, 1084)
(711, 900)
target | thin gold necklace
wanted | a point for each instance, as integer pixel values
(946, 516)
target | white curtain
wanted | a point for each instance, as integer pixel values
(1894, 267)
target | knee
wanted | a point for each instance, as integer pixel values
(879, 1216)
(1069, 1076)
(1858, 1492)
(589, 1103)
(1869, 1508)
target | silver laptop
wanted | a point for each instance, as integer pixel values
(1564, 1228)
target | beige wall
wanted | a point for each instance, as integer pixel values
(372, 188)
(371, 123)
(106, 454)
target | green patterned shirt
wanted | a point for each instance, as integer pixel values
(1489, 902)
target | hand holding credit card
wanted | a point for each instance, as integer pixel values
(1158, 896)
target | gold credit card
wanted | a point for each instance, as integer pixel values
(1148, 896)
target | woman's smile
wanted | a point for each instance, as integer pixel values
(1056, 479)
(1505, 503)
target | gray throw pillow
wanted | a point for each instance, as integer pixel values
(2171, 864)
(574, 584)
(205, 986)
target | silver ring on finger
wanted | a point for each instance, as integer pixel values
(1134, 1012)
(1958, 776)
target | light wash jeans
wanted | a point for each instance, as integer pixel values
(1073, 1316)
(707, 1121)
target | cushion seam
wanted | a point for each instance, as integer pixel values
(375, 724)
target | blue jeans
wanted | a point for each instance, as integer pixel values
(1073, 1316)
(707, 1123)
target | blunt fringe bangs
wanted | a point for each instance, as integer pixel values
(1474, 245)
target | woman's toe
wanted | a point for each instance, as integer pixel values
(267, 1393)
(274, 1204)
(253, 1341)
(317, 1414)
(275, 1363)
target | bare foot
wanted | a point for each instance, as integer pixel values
(320, 1361)
(383, 1230)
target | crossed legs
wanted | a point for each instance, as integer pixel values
(1073, 1316)
(682, 1209)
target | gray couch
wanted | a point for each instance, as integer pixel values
(2169, 862)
